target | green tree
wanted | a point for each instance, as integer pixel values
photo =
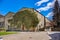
(56, 16)
(25, 19)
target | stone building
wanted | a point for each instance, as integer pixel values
(2, 21)
(48, 25)
(8, 17)
(39, 16)
(43, 21)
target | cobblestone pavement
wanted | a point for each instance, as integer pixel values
(27, 36)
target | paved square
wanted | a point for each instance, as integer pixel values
(27, 36)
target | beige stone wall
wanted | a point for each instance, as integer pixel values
(2, 20)
(47, 22)
(8, 17)
(48, 25)
(41, 20)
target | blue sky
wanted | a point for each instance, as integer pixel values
(43, 6)
(14, 5)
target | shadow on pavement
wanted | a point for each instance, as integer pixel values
(1, 38)
(55, 36)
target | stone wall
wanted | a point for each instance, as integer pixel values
(2, 21)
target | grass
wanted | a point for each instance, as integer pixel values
(6, 33)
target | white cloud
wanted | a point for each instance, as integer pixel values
(44, 8)
(49, 14)
(40, 2)
(49, 5)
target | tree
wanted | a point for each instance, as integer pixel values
(56, 16)
(25, 19)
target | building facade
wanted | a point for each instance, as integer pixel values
(43, 21)
(2, 21)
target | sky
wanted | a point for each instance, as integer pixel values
(43, 6)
